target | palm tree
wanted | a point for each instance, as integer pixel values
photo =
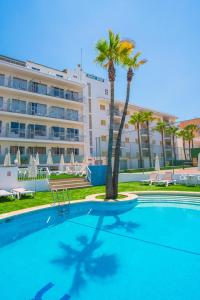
(183, 134)
(137, 119)
(109, 54)
(148, 118)
(161, 128)
(132, 63)
(192, 128)
(172, 131)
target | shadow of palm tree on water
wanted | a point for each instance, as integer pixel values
(86, 262)
(128, 226)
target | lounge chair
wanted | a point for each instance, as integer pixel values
(153, 177)
(22, 191)
(166, 179)
(4, 193)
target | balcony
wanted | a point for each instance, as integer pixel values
(46, 91)
(144, 145)
(43, 137)
(26, 111)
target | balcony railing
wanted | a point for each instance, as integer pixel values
(116, 127)
(79, 118)
(144, 131)
(53, 137)
(48, 92)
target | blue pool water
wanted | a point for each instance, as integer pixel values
(151, 252)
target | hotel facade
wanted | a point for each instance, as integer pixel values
(67, 111)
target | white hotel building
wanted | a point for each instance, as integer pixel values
(43, 109)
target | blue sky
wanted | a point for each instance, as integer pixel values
(166, 32)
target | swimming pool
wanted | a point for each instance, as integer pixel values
(149, 252)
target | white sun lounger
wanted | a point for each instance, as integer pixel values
(4, 193)
(22, 191)
(166, 180)
(153, 177)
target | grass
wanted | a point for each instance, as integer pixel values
(64, 176)
(153, 169)
(41, 198)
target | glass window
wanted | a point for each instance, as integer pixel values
(14, 149)
(39, 88)
(102, 107)
(58, 132)
(35, 150)
(72, 134)
(0, 126)
(2, 79)
(37, 109)
(19, 83)
(17, 129)
(72, 114)
(72, 150)
(1, 103)
(36, 130)
(57, 151)
(18, 106)
(57, 112)
(57, 92)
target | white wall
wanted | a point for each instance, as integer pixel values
(9, 181)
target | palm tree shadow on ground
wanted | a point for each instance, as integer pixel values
(86, 262)
(128, 226)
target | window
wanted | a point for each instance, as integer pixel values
(35, 69)
(103, 122)
(126, 126)
(57, 151)
(71, 95)
(58, 75)
(35, 150)
(90, 138)
(89, 90)
(103, 138)
(35, 130)
(0, 126)
(2, 79)
(58, 132)
(17, 106)
(102, 107)
(126, 140)
(57, 92)
(90, 121)
(37, 109)
(72, 150)
(90, 105)
(72, 114)
(1, 103)
(20, 84)
(17, 129)
(14, 149)
(106, 91)
(72, 134)
(57, 112)
(39, 88)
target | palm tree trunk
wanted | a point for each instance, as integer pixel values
(118, 144)
(163, 149)
(149, 145)
(189, 143)
(184, 150)
(109, 186)
(174, 149)
(139, 146)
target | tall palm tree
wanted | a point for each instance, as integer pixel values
(109, 54)
(192, 128)
(148, 118)
(183, 134)
(172, 131)
(161, 128)
(137, 119)
(132, 63)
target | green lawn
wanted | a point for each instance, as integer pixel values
(8, 204)
(153, 169)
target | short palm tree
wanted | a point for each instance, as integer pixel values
(148, 118)
(137, 119)
(109, 54)
(132, 63)
(172, 131)
(161, 128)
